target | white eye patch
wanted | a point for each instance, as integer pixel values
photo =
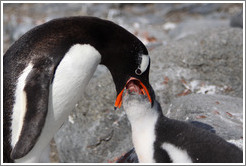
(143, 65)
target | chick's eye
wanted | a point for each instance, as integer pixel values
(138, 71)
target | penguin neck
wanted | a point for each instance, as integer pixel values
(143, 119)
(140, 113)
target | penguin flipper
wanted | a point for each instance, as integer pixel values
(37, 98)
(203, 126)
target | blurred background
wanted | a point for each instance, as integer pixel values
(196, 52)
(155, 24)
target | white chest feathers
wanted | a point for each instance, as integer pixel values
(72, 76)
(143, 119)
(143, 138)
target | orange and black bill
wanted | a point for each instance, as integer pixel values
(144, 91)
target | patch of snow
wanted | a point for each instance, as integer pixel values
(169, 26)
(194, 84)
(238, 143)
(70, 119)
(207, 89)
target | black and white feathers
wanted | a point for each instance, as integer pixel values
(157, 138)
(46, 71)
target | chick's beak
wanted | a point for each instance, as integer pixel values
(142, 90)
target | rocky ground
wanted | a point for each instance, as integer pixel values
(196, 71)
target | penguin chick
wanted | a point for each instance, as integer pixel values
(157, 138)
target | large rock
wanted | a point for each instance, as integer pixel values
(223, 113)
(210, 62)
(193, 26)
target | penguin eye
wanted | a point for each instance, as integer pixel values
(138, 71)
(143, 65)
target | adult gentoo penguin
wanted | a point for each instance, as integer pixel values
(46, 71)
(157, 138)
